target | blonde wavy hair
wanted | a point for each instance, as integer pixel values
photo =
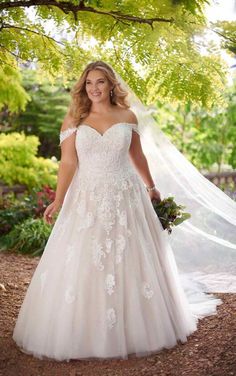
(81, 104)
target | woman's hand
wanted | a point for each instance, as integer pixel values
(155, 194)
(51, 209)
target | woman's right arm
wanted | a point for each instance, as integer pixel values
(67, 167)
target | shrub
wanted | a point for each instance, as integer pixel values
(39, 200)
(20, 165)
(28, 237)
(13, 211)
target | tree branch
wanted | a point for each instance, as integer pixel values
(68, 7)
(8, 26)
(41, 35)
(224, 36)
(10, 52)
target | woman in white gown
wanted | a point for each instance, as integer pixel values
(107, 284)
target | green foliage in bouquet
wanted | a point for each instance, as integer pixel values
(28, 237)
(20, 165)
(169, 213)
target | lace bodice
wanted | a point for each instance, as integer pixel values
(104, 154)
(68, 132)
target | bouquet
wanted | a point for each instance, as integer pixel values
(169, 213)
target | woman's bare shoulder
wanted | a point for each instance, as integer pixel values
(68, 122)
(132, 117)
(129, 115)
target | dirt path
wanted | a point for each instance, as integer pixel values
(210, 351)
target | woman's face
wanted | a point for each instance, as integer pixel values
(97, 86)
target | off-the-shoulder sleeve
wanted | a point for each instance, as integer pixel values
(136, 128)
(66, 133)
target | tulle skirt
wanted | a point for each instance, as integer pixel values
(107, 284)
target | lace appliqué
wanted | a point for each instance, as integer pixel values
(122, 218)
(110, 283)
(106, 212)
(97, 254)
(66, 133)
(147, 291)
(120, 247)
(111, 318)
(108, 243)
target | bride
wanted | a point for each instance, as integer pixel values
(107, 284)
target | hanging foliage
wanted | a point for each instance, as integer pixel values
(152, 44)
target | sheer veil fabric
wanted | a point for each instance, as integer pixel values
(205, 245)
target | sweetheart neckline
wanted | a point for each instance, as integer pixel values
(102, 134)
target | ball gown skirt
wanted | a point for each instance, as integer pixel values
(107, 284)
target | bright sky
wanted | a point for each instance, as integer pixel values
(221, 10)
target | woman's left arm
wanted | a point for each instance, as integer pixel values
(140, 162)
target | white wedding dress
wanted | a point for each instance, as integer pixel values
(107, 284)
